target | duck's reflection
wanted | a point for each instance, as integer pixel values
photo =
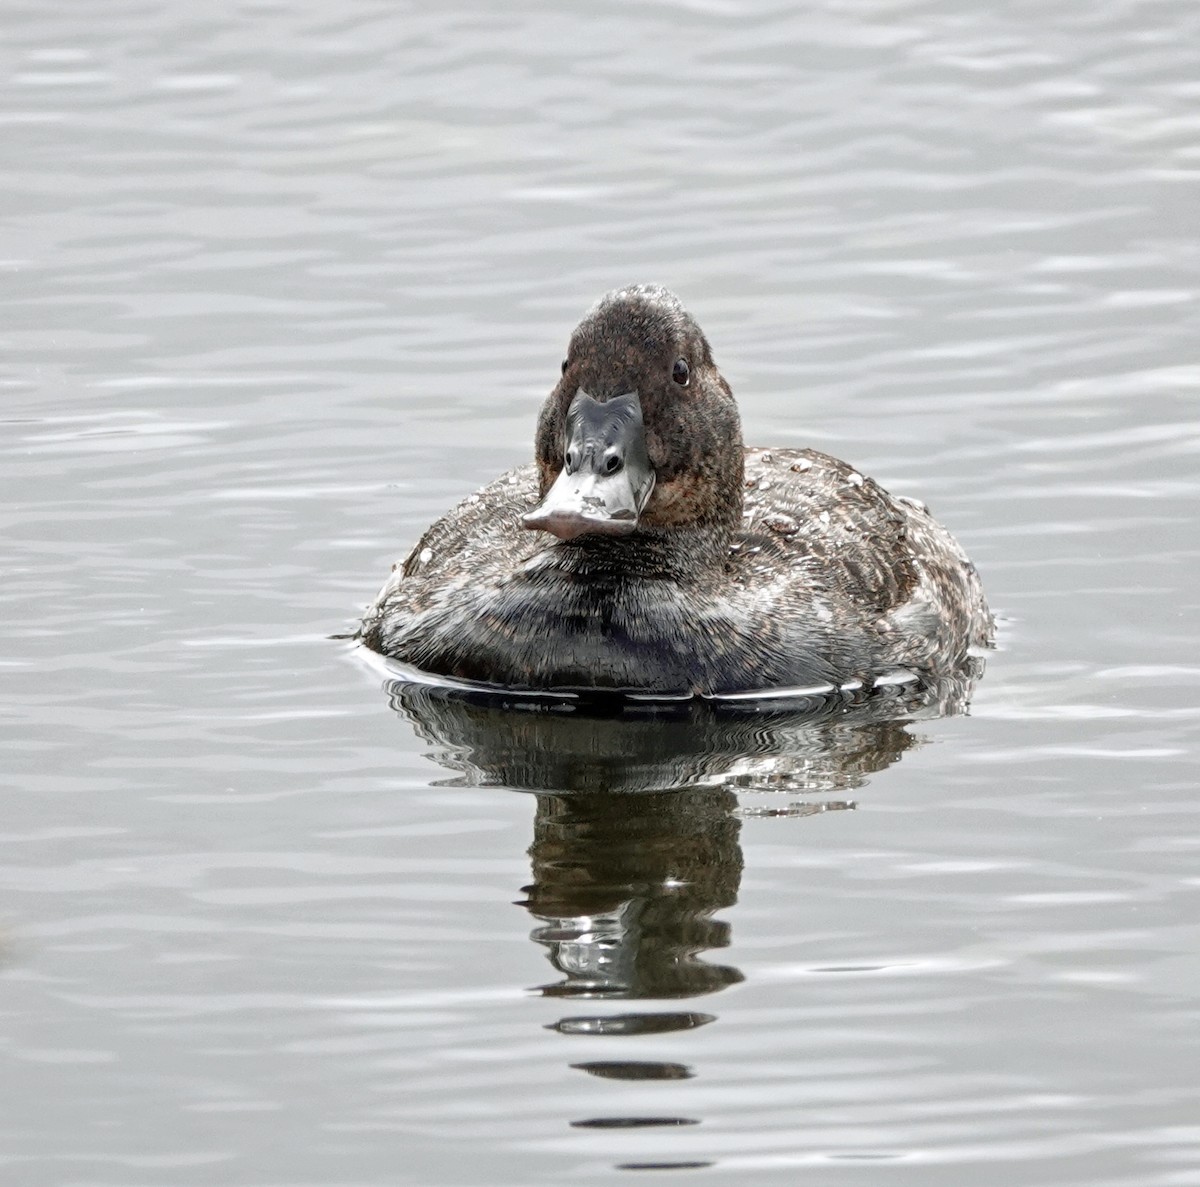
(639, 808)
(636, 834)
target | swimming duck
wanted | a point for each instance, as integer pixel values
(645, 550)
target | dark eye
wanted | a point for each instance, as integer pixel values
(564, 366)
(680, 372)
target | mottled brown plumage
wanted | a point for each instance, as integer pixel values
(747, 569)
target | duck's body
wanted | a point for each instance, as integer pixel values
(711, 570)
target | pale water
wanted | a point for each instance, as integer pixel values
(282, 281)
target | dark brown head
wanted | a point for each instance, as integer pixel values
(641, 431)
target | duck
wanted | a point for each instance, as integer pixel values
(646, 551)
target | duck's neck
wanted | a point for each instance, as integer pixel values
(651, 554)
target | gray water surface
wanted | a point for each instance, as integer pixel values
(283, 281)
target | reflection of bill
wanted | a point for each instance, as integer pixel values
(625, 888)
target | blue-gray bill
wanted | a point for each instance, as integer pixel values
(606, 476)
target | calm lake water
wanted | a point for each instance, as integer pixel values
(280, 283)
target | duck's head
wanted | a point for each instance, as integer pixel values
(642, 431)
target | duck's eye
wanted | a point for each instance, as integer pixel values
(564, 370)
(680, 372)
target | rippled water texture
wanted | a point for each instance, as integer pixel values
(280, 282)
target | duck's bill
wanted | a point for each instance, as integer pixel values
(591, 496)
(583, 504)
